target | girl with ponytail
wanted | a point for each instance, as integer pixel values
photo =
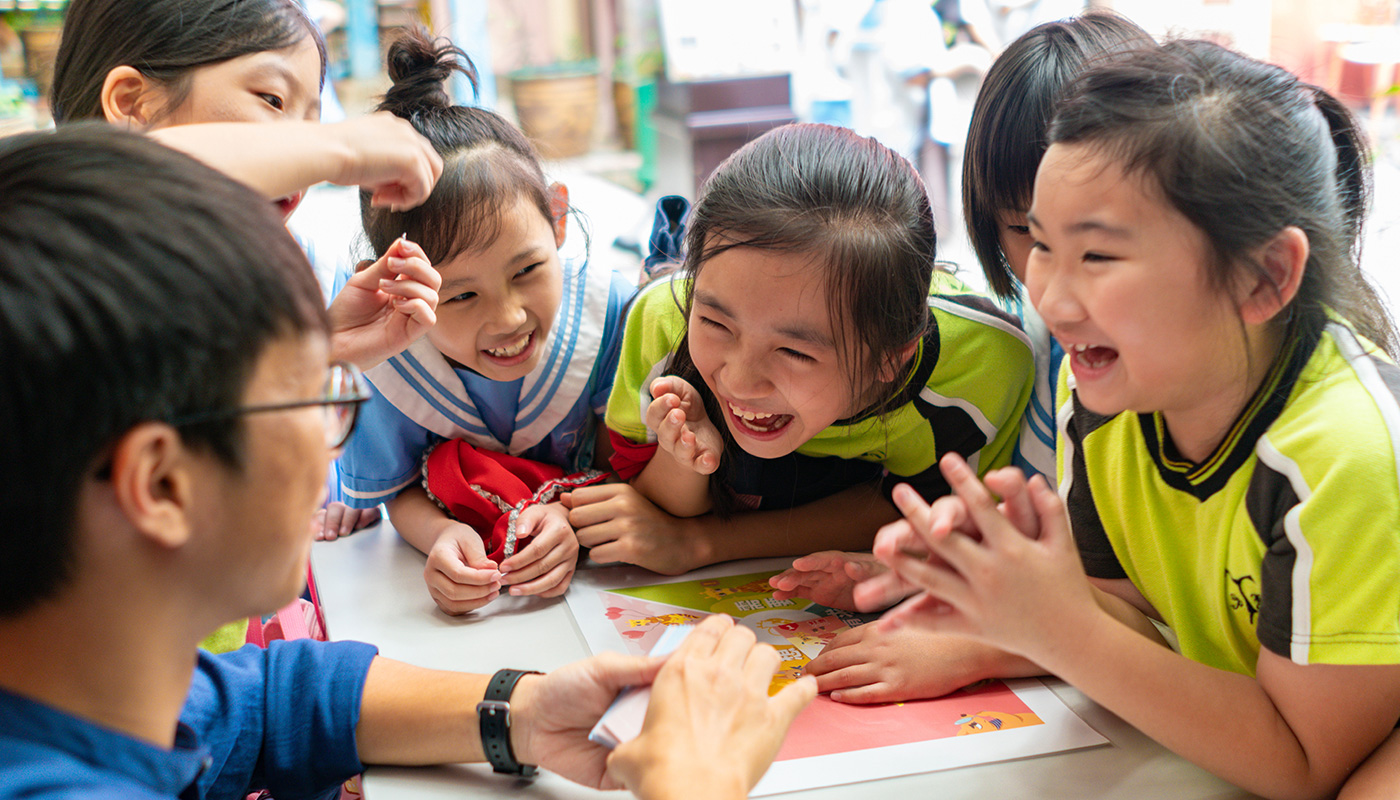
(1229, 434)
(476, 429)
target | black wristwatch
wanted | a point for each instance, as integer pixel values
(493, 713)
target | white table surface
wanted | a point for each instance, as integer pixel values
(371, 589)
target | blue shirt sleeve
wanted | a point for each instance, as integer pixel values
(383, 456)
(281, 718)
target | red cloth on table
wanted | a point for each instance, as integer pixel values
(488, 490)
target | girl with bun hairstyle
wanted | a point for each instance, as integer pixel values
(476, 429)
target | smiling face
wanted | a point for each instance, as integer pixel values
(269, 86)
(762, 338)
(1119, 276)
(497, 305)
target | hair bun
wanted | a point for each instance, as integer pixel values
(420, 67)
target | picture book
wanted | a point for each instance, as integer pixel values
(628, 610)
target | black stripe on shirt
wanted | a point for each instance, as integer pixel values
(1268, 500)
(1095, 551)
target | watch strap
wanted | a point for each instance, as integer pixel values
(493, 715)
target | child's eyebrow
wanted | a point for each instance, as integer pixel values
(528, 254)
(451, 287)
(801, 333)
(1085, 226)
(811, 336)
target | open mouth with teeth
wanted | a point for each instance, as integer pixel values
(513, 351)
(1092, 357)
(756, 423)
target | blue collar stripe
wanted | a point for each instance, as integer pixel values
(401, 368)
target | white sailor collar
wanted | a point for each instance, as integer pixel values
(424, 387)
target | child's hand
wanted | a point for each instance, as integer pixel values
(884, 589)
(548, 560)
(828, 577)
(869, 665)
(459, 575)
(621, 525)
(338, 519)
(1009, 483)
(1006, 588)
(385, 306)
(944, 515)
(386, 156)
(677, 415)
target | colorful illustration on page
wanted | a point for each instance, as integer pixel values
(799, 630)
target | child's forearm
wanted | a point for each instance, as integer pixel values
(417, 518)
(378, 152)
(674, 487)
(847, 520)
(1126, 612)
(276, 159)
(1292, 731)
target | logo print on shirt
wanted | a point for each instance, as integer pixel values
(1240, 597)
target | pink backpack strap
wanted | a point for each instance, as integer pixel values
(298, 620)
(292, 621)
(320, 625)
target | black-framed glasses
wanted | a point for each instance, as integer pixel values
(345, 389)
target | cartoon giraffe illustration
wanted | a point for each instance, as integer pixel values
(641, 625)
(714, 591)
(793, 662)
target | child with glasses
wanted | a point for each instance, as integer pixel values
(507, 388)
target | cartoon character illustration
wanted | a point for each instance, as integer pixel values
(641, 625)
(984, 721)
(714, 591)
(810, 636)
(773, 622)
(793, 662)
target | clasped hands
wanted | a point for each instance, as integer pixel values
(1003, 571)
(987, 573)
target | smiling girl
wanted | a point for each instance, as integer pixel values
(1229, 432)
(236, 84)
(521, 359)
(797, 359)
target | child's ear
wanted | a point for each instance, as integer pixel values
(1283, 259)
(129, 98)
(152, 484)
(893, 367)
(559, 211)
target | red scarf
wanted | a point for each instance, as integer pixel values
(488, 490)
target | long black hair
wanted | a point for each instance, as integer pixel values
(1243, 149)
(165, 40)
(1010, 120)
